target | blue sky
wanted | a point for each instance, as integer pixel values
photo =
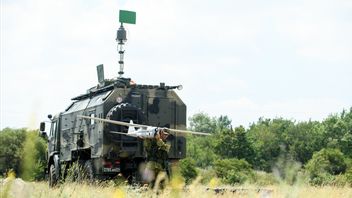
(244, 59)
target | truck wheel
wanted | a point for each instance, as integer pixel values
(52, 176)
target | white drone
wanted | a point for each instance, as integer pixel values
(143, 131)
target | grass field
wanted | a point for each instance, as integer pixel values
(19, 188)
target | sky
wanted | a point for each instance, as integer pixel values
(243, 59)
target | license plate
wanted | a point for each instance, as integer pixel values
(111, 170)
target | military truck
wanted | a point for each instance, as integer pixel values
(93, 145)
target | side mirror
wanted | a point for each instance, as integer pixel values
(42, 132)
(42, 126)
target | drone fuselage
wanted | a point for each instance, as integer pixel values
(143, 133)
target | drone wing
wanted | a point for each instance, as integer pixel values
(139, 125)
(115, 132)
(113, 121)
(185, 131)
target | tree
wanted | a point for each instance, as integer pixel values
(303, 140)
(201, 149)
(202, 122)
(338, 131)
(23, 151)
(34, 156)
(223, 123)
(234, 144)
(11, 147)
(266, 137)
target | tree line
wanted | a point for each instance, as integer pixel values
(22, 152)
(321, 151)
(318, 152)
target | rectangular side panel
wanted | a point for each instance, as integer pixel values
(181, 116)
(168, 112)
(66, 137)
(159, 112)
(72, 128)
(95, 134)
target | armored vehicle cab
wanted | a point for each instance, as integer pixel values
(92, 143)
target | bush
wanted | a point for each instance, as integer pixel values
(324, 165)
(339, 180)
(188, 169)
(233, 171)
(265, 179)
(34, 160)
(201, 149)
(287, 169)
(349, 163)
(348, 176)
(207, 175)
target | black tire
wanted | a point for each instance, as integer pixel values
(52, 176)
(122, 112)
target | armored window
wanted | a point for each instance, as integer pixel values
(53, 129)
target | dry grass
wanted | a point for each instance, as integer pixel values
(175, 188)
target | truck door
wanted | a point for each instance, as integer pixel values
(52, 137)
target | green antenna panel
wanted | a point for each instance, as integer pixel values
(127, 17)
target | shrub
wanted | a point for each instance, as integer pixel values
(339, 180)
(188, 169)
(348, 176)
(265, 179)
(324, 165)
(207, 175)
(233, 171)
